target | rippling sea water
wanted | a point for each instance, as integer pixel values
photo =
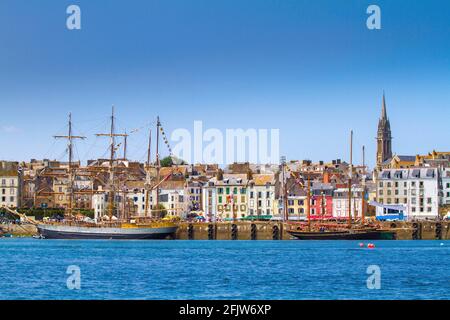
(36, 269)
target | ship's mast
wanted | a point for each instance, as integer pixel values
(70, 137)
(363, 196)
(125, 146)
(158, 178)
(350, 181)
(112, 136)
(285, 193)
(308, 202)
(147, 173)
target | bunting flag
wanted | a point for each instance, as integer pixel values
(166, 141)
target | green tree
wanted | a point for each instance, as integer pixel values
(166, 162)
(160, 211)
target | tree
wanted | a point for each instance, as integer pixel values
(161, 211)
(166, 162)
(170, 161)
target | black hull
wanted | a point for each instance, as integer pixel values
(343, 235)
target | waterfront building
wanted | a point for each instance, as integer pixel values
(296, 201)
(171, 197)
(193, 195)
(60, 192)
(417, 188)
(341, 203)
(225, 197)
(10, 184)
(445, 182)
(321, 201)
(261, 196)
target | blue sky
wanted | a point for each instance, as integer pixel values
(310, 68)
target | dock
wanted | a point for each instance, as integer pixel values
(270, 230)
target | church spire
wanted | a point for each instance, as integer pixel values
(384, 138)
(383, 109)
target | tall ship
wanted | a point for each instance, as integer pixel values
(118, 222)
(352, 230)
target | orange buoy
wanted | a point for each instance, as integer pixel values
(370, 246)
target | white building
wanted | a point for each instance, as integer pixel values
(99, 205)
(10, 184)
(341, 201)
(417, 188)
(445, 181)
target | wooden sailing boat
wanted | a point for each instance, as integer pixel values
(121, 227)
(337, 232)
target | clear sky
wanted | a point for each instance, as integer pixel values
(310, 68)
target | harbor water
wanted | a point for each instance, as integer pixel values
(43, 269)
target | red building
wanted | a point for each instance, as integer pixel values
(321, 201)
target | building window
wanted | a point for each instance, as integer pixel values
(220, 199)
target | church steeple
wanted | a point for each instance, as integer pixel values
(384, 138)
(383, 108)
